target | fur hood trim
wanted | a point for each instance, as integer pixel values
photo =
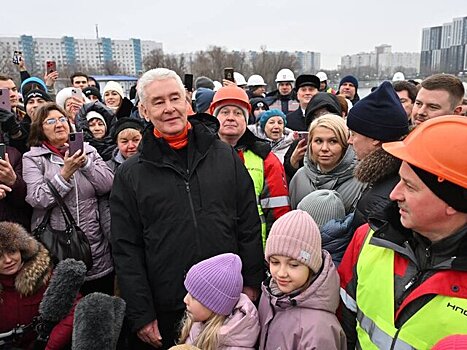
(14, 237)
(377, 166)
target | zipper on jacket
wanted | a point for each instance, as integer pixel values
(408, 287)
(193, 215)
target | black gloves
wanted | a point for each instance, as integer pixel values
(9, 123)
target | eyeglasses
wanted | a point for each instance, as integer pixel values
(53, 121)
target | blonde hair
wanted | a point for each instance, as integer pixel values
(208, 339)
(128, 133)
(334, 123)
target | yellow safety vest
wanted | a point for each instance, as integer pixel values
(440, 317)
(255, 167)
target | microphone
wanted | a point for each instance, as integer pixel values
(58, 299)
(97, 322)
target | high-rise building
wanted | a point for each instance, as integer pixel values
(444, 48)
(80, 54)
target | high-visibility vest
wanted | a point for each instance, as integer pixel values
(255, 167)
(440, 317)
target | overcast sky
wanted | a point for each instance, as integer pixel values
(333, 28)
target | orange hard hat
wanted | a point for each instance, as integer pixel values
(439, 146)
(230, 95)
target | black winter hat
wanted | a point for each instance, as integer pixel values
(204, 82)
(36, 93)
(256, 102)
(307, 80)
(380, 115)
(92, 91)
(126, 123)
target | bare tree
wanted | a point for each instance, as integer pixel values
(157, 59)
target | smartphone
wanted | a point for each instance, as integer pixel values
(17, 57)
(303, 135)
(5, 99)
(2, 151)
(229, 74)
(75, 142)
(76, 92)
(188, 81)
(51, 66)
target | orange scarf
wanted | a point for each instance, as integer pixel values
(175, 142)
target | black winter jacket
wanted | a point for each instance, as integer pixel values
(165, 218)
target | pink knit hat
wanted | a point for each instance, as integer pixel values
(452, 342)
(297, 236)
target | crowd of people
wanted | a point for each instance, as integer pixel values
(230, 217)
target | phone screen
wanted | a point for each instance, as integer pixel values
(189, 82)
(17, 57)
(5, 99)
(229, 74)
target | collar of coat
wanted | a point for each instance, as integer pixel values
(249, 141)
(377, 166)
(34, 274)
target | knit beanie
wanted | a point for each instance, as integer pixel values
(114, 86)
(216, 282)
(36, 93)
(296, 235)
(452, 342)
(265, 116)
(349, 79)
(92, 91)
(257, 102)
(126, 123)
(323, 206)
(94, 115)
(65, 94)
(32, 83)
(204, 82)
(380, 115)
(203, 99)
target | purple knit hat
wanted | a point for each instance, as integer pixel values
(216, 282)
(296, 236)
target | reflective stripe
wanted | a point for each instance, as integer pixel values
(274, 202)
(378, 337)
(348, 301)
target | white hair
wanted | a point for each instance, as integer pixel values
(154, 75)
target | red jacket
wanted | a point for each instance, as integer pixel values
(417, 272)
(16, 308)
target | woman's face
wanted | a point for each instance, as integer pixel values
(128, 141)
(325, 148)
(112, 98)
(274, 128)
(97, 128)
(56, 128)
(10, 263)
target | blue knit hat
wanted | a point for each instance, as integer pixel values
(380, 115)
(265, 116)
(203, 99)
(32, 83)
(216, 282)
(349, 79)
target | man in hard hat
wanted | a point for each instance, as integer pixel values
(256, 86)
(185, 197)
(440, 94)
(323, 87)
(240, 81)
(407, 93)
(231, 107)
(403, 276)
(284, 98)
(306, 86)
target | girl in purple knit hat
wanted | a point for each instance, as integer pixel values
(218, 315)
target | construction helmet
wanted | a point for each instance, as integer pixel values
(285, 75)
(398, 76)
(239, 79)
(256, 80)
(322, 76)
(230, 95)
(437, 146)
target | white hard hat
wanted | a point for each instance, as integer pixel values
(217, 85)
(322, 76)
(398, 76)
(256, 80)
(285, 75)
(239, 79)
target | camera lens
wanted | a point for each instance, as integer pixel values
(72, 137)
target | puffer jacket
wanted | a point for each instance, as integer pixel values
(305, 321)
(309, 178)
(336, 236)
(79, 194)
(239, 331)
(279, 147)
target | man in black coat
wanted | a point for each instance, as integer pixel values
(186, 197)
(306, 86)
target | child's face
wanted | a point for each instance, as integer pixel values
(197, 311)
(288, 273)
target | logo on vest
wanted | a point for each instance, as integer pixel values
(457, 308)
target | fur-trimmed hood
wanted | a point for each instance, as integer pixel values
(37, 265)
(377, 166)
